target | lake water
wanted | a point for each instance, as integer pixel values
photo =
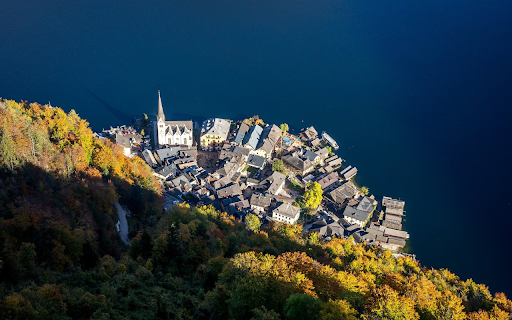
(416, 93)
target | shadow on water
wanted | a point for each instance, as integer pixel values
(124, 117)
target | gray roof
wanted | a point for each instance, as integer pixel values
(253, 136)
(179, 125)
(216, 126)
(396, 233)
(392, 203)
(222, 182)
(167, 152)
(269, 138)
(310, 133)
(241, 133)
(123, 140)
(241, 150)
(365, 205)
(297, 163)
(256, 161)
(260, 200)
(310, 155)
(322, 153)
(353, 213)
(345, 191)
(348, 172)
(328, 180)
(325, 229)
(167, 171)
(288, 210)
(276, 181)
(148, 156)
(392, 224)
(232, 190)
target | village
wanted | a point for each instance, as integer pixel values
(252, 168)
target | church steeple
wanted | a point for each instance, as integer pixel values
(161, 114)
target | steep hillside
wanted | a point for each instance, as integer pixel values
(60, 257)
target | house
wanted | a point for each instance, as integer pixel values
(166, 172)
(308, 134)
(183, 182)
(239, 208)
(242, 131)
(357, 216)
(348, 173)
(127, 142)
(172, 132)
(150, 159)
(232, 190)
(366, 204)
(256, 161)
(286, 213)
(252, 137)
(329, 180)
(214, 131)
(346, 191)
(275, 183)
(311, 156)
(322, 154)
(327, 228)
(165, 153)
(260, 202)
(299, 165)
(270, 136)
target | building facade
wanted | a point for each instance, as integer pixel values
(172, 132)
(214, 132)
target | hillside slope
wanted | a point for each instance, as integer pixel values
(60, 257)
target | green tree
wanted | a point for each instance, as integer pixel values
(329, 150)
(284, 127)
(27, 258)
(338, 310)
(303, 307)
(278, 165)
(252, 222)
(262, 313)
(365, 190)
(313, 196)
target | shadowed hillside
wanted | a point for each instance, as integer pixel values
(60, 257)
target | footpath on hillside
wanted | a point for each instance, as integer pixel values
(122, 224)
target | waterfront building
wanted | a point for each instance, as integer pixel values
(172, 132)
(214, 132)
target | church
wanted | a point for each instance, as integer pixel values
(172, 132)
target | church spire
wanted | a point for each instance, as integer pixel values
(161, 114)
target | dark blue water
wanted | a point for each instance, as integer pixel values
(417, 93)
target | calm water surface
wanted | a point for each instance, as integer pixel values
(417, 94)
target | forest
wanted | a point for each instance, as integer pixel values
(61, 258)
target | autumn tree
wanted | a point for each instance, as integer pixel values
(338, 310)
(252, 222)
(313, 195)
(284, 127)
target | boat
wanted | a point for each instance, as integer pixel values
(330, 140)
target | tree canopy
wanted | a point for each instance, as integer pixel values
(60, 256)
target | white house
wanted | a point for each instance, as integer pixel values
(172, 132)
(286, 213)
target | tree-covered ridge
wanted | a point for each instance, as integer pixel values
(58, 184)
(61, 259)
